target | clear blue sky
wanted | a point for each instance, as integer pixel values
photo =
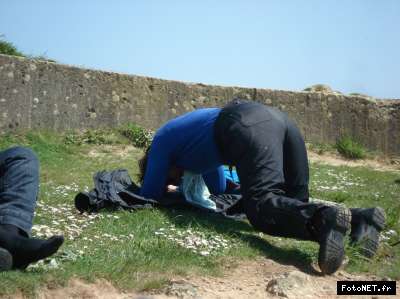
(351, 45)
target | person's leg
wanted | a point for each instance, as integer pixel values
(295, 164)
(251, 137)
(261, 172)
(215, 181)
(19, 182)
(366, 224)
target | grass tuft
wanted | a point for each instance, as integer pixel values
(350, 149)
(139, 136)
(94, 137)
(8, 48)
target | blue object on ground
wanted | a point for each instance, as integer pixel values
(231, 175)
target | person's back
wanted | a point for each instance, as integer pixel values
(185, 142)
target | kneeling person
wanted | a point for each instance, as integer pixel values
(270, 157)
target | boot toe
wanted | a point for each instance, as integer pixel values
(365, 233)
(369, 246)
(6, 260)
(378, 218)
(331, 252)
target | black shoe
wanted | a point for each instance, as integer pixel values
(5, 260)
(366, 226)
(331, 224)
(44, 249)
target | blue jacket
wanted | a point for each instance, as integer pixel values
(186, 142)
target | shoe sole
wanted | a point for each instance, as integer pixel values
(5, 260)
(331, 252)
(376, 218)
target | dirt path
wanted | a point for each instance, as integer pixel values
(335, 160)
(252, 279)
(264, 279)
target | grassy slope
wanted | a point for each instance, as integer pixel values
(144, 249)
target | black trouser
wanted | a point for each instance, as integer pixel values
(271, 161)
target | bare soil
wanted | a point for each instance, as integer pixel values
(104, 150)
(257, 279)
(379, 163)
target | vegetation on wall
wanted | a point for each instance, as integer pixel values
(8, 48)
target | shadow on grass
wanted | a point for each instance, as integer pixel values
(184, 218)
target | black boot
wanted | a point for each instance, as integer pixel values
(366, 226)
(331, 225)
(5, 260)
(290, 218)
(25, 250)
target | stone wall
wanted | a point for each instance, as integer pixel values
(37, 94)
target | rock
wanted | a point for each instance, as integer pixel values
(274, 288)
(319, 88)
(181, 289)
(286, 285)
(361, 95)
(295, 284)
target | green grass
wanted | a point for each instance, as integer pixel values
(137, 135)
(141, 250)
(8, 48)
(350, 149)
(321, 148)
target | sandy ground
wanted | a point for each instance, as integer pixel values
(382, 164)
(252, 279)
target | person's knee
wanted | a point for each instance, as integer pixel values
(299, 192)
(263, 214)
(23, 154)
(217, 190)
(252, 210)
